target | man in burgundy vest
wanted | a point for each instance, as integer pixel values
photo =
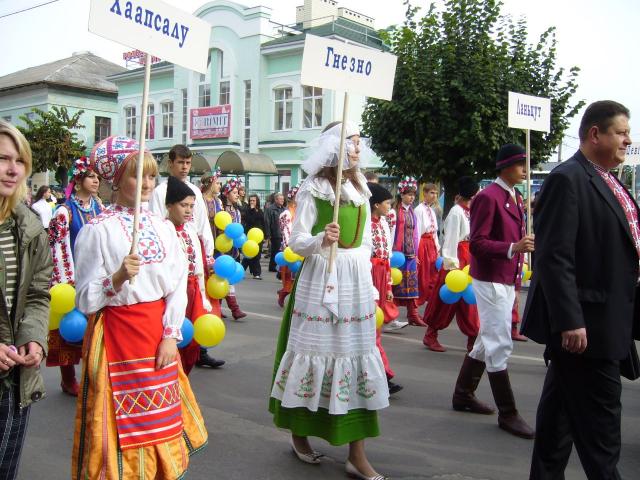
(583, 300)
(498, 242)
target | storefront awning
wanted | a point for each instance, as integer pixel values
(200, 163)
(242, 162)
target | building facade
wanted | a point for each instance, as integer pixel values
(251, 99)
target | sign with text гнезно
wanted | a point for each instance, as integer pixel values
(155, 28)
(529, 113)
(337, 65)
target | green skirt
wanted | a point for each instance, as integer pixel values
(356, 425)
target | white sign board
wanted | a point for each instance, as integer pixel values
(337, 65)
(632, 156)
(529, 113)
(155, 28)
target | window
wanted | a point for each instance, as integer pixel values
(185, 115)
(102, 129)
(130, 121)
(283, 111)
(225, 93)
(167, 119)
(311, 107)
(204, 95)
(151, 123)
(247, 115)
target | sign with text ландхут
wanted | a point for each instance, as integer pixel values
(529, 113)
(210, 122)
(155, 28)
(337, 65)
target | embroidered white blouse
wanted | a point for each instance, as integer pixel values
(190, 243)
(427, 222)
(100, 248)
(456, 229)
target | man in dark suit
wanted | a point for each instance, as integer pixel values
(581, 300)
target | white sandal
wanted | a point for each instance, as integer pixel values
(313, 457)
(352, 471)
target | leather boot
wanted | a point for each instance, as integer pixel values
(508, 417)
(281, 298)
(470, 342)
(69, 384)
(204, 360)
(412, 314)
(430, 340)
(232, 303)
(515, 334)
(464, 399)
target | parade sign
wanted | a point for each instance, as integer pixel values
(632, 156)
(155, 28)
(529, 113)
(210, 122)
(336, 65)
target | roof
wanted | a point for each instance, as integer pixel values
(242, 162)
(83, 70)
(341, 27)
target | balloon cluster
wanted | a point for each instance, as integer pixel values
(208, 331)
(457, 285)
(71, 322)
(289, 258)
(397, 260)
(234, 236)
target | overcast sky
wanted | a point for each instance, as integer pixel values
(599, 36)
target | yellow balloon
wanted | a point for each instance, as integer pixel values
(290, 256)
(54, 320)
(396, 276)
(456, 280)
(250, 249)
(63, 298)
(208, 330)
(222, 219)
(379, 317)
(466, 269)
(223, 243)
(527, 275)
(217, 287)
(255, 234)
(525, 268)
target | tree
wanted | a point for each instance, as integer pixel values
(53, 143)
(448, 115)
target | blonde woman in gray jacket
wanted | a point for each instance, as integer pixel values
(25, 269)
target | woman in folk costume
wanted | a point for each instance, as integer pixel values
(80, 207)
(329, 380)
(180, 202)
(286, 223)
(230, 205)
(380, 203)
(137, 416)
(210, 186)
(406, 241)
(455, 254)
(429, 244)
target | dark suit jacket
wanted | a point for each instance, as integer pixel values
(586, 265)
(496, 222)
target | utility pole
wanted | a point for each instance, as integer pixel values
(560, 151)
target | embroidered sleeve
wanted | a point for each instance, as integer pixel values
(60, 243)
(176, 300)
(107, 287)
(451, 238)
(285, 228)
(302, 241)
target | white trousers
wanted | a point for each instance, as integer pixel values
(493, 344)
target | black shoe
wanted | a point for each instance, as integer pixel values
(278, 276)
(206, 361)
(394, 387)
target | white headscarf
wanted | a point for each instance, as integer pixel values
(322, 151)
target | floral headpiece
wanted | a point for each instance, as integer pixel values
(291, 194)
(406, 184)
(240, 182)
(230, 185)
(79, 168)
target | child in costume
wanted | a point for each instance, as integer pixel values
(286, 222)
(429, 245)
(136, 416)
(329, 380)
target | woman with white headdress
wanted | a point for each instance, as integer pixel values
(329, 380)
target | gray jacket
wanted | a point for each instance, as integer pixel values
(29, 319)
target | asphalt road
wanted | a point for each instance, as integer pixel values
(422, 437)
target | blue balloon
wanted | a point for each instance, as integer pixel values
(187, 333)
(447, 296)
(238, 242)
(73, 326)
(397, 259)
(237, 276)
(469, 296)
(439, 261)
(225, 266)
(234, 230)
(279, 259)
(295, 266)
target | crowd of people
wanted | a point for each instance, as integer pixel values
(137, 415)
